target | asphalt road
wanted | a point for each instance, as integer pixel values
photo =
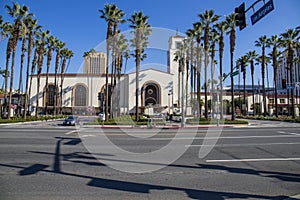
(49, 161)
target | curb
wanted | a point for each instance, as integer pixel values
(162, 127)
(29, 122)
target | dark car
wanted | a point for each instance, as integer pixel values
(70, 121)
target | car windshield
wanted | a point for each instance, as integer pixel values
(71, 117)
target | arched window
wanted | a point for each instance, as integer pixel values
(151, 94)
(80, 96)
(50, 95)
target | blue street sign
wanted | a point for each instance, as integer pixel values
(263, 11)
(290, 87)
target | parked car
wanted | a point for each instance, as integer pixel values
(70, 121)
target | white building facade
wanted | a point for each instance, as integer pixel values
(83, 93)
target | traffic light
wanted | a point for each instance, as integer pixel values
(215, 97)
(284, 83)
(240, 16)
(242, 65)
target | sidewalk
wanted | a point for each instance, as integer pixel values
(177, 126)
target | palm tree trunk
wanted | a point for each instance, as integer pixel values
(138, 60)
(263, 80)
(205, 84)
(179, 71)
(47, 77)
(11, 80)
(276, 97)
(108, 42)
(252, 80)
(187, 82)
(32, 72)
(21, 75)
(30, 42)
(221, 83)
(27, 74)
(232, 89)
(37, 94)
(8, 54)
(244, 78)
(199, 63)
(291, 80)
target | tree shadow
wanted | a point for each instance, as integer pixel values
(288, 177)
(33, 169)
(142, 188)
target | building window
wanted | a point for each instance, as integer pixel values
(282, 101)
(50, 95)
(177, 45)
(80, 96)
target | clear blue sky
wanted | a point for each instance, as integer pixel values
(78, 23)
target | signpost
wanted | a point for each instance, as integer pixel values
(263, 11)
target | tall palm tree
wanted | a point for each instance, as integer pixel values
(121, 52)
(66, 54)
(231, 24)
(262, 42)
(43, 37)
(208, 18)
(18, 13)
(190, 33)
(50, 45)
(267, 62)
(23, 38)
(7, 30)
(32, 26)
(221, 28)
(108, 14)
(180, 57)
(118, 18)
(141, 31)
(290, 40)
(275, 42)
(198, 28)
(243, 61)
(58, 45)
(36, 45)
(213, 39)
(251, 56)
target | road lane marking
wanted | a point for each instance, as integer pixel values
(230, 137)
(294, 133)
(254, 160)
(248, 144)
(70, 132)
(281, 132)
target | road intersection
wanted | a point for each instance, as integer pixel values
(49, 161)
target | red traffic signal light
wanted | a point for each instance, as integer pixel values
(284, 83)
(240, 16)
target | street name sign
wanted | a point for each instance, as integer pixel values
(263, 11)
(290, 87)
